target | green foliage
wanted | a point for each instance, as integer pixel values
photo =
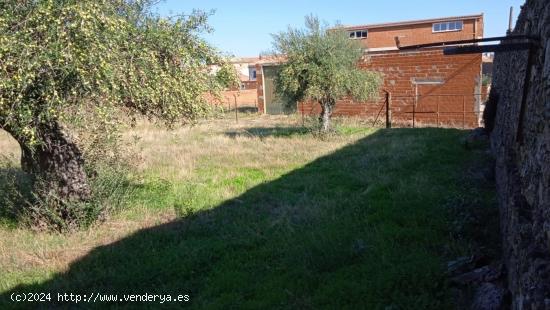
(226, 76)
(60, 57)
(486, 80)
(321, 65)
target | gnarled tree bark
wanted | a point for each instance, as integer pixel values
(56, 162)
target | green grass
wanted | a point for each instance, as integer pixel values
(275, 218)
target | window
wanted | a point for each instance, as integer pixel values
(448, 26)
(359, 34)
(252, 73)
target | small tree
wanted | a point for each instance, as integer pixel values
(321, 66)
(69, 62)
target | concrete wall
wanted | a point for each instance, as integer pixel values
(520, 141)
(242, 69)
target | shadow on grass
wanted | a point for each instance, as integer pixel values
(244, 110)
(364, 227)
(263, 132)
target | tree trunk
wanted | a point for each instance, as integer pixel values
(27, 163)
(326, 113)
(57, 163)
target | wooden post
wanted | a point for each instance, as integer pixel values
(388, 109)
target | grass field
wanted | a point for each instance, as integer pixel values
(264, 214)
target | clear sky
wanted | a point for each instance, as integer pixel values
(243, 28)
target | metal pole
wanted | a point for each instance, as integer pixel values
(414, 103)
(463, 111)
(510, 20)
(236, 110)
(303, 122)
(388, 109)
(437, 105)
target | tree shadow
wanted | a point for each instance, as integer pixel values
(243, 110)
(263, 132)
(342, 231)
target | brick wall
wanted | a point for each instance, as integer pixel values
(249, 85)
(245, 98)
(457, 100)
(380, 37)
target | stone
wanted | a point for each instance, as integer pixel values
(520, 143)
(489, 296)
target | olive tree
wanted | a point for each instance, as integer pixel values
(321, 65)
(59, 58)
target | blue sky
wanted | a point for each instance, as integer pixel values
(243, 28)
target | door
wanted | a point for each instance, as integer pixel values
(274, 104)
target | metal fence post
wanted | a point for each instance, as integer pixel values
(437, 99)
(463, 111)
(303, 121)
(236, 110)
(414, 109)
(388, 109)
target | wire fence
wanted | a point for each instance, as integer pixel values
(432, 110)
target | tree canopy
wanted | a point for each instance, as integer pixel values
(74, 62)
(58, 54)
(321, 65)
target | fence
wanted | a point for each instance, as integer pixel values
(431, 110)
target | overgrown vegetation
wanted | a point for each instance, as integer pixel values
(264, 214)
(321, 65)
(83, 67)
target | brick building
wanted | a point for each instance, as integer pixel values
(426, 86)
(245, 96)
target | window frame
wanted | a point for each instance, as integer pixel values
(449, 26)
(354, 34)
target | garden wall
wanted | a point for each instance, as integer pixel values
(520, 142)
(456, 102)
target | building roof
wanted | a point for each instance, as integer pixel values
(249, 60)
(414, 22)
